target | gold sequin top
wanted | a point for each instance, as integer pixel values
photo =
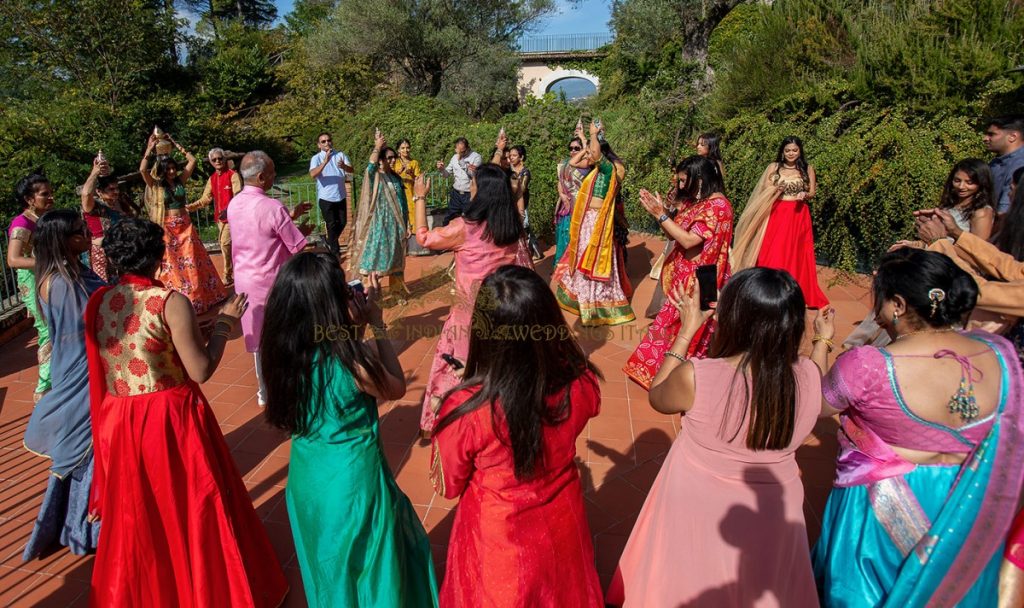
(790, 186)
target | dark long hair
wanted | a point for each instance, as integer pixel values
(801, 161)
(28, 186)
(1010, 238)
(306, 325)
(978, 172)
(494, 206)
(162, 164)
(521, 353)
(761, 318)
(52, 253)
(713, 142)
(911, 273)
(702, 178)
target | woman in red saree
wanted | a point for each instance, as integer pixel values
(505, 444)
(702, 231)
(178, 527)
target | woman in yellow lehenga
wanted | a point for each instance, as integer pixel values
(186, 267)
(408, 169)
(591, 277)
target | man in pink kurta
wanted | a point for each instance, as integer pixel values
(264, 237)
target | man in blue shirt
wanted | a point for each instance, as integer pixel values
(1005, 137)
(328, 168)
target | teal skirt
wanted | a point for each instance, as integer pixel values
(855, 562)
(562, 236)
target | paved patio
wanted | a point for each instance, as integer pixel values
(619, 454)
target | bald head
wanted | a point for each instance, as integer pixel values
(257, 169)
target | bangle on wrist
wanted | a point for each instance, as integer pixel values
(828, 342)
(675, 355)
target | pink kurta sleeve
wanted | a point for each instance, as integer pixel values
(285, 228)
(451, 236)
(455, 448)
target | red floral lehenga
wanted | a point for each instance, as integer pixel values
(179, 528)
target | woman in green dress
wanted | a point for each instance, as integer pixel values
(36, 198)
(357, 538)
(379, 238)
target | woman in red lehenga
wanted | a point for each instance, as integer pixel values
(186, 267)
(775, 229)
(178, 526)
(506, 444)
(701, 232)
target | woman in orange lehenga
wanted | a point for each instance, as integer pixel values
(591, 277)
(178, 526)
(186, 267)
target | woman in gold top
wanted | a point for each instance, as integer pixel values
(407, 168)
(775, 229)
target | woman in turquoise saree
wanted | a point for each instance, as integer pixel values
(931, 449)
(378, 241)
(358, 540)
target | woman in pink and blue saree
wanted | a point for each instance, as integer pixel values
(932, 449)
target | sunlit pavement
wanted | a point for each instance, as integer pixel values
(619, 454)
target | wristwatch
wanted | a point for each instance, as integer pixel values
(663, 218)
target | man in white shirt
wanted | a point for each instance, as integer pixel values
(461, 168)
(328, 167)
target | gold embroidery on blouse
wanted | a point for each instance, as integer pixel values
(25, 236)
(135, 346)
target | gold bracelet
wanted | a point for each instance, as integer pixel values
(819, 338)
(675, 355)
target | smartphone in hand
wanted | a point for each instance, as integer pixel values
(707, 282)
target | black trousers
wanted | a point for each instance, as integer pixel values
(457, 203)
(335, 215)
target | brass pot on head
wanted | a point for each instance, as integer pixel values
(163, 142)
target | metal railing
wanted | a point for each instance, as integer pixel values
(9, 300)
(564, 43)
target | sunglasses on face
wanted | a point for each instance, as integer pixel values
(218, 159)
(325, 141)
(575, 148)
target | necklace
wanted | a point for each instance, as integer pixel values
(924, 331)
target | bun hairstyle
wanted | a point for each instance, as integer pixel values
(28, 186)
(134, 246)
(939, 292)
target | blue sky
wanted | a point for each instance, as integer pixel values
(580, 17)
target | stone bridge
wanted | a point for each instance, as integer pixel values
(543, 59)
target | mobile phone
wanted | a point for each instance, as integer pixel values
(357, 285)
(707, 282)
(452, 361)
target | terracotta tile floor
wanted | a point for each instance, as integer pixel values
(619, 454)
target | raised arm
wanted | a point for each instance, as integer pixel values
(201, 360)
(654, 205)
(673, 387)
(595, 144)
(316, 169)
(394, 378)
(89, 187)
(144, 163)
(190, 161)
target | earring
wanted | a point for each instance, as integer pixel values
(895, 318)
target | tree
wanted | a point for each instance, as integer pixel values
(427, 43)
(253, 13)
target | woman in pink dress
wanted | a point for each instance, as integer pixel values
(488, 235)
(723, 524)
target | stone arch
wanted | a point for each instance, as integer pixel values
(557, 74)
